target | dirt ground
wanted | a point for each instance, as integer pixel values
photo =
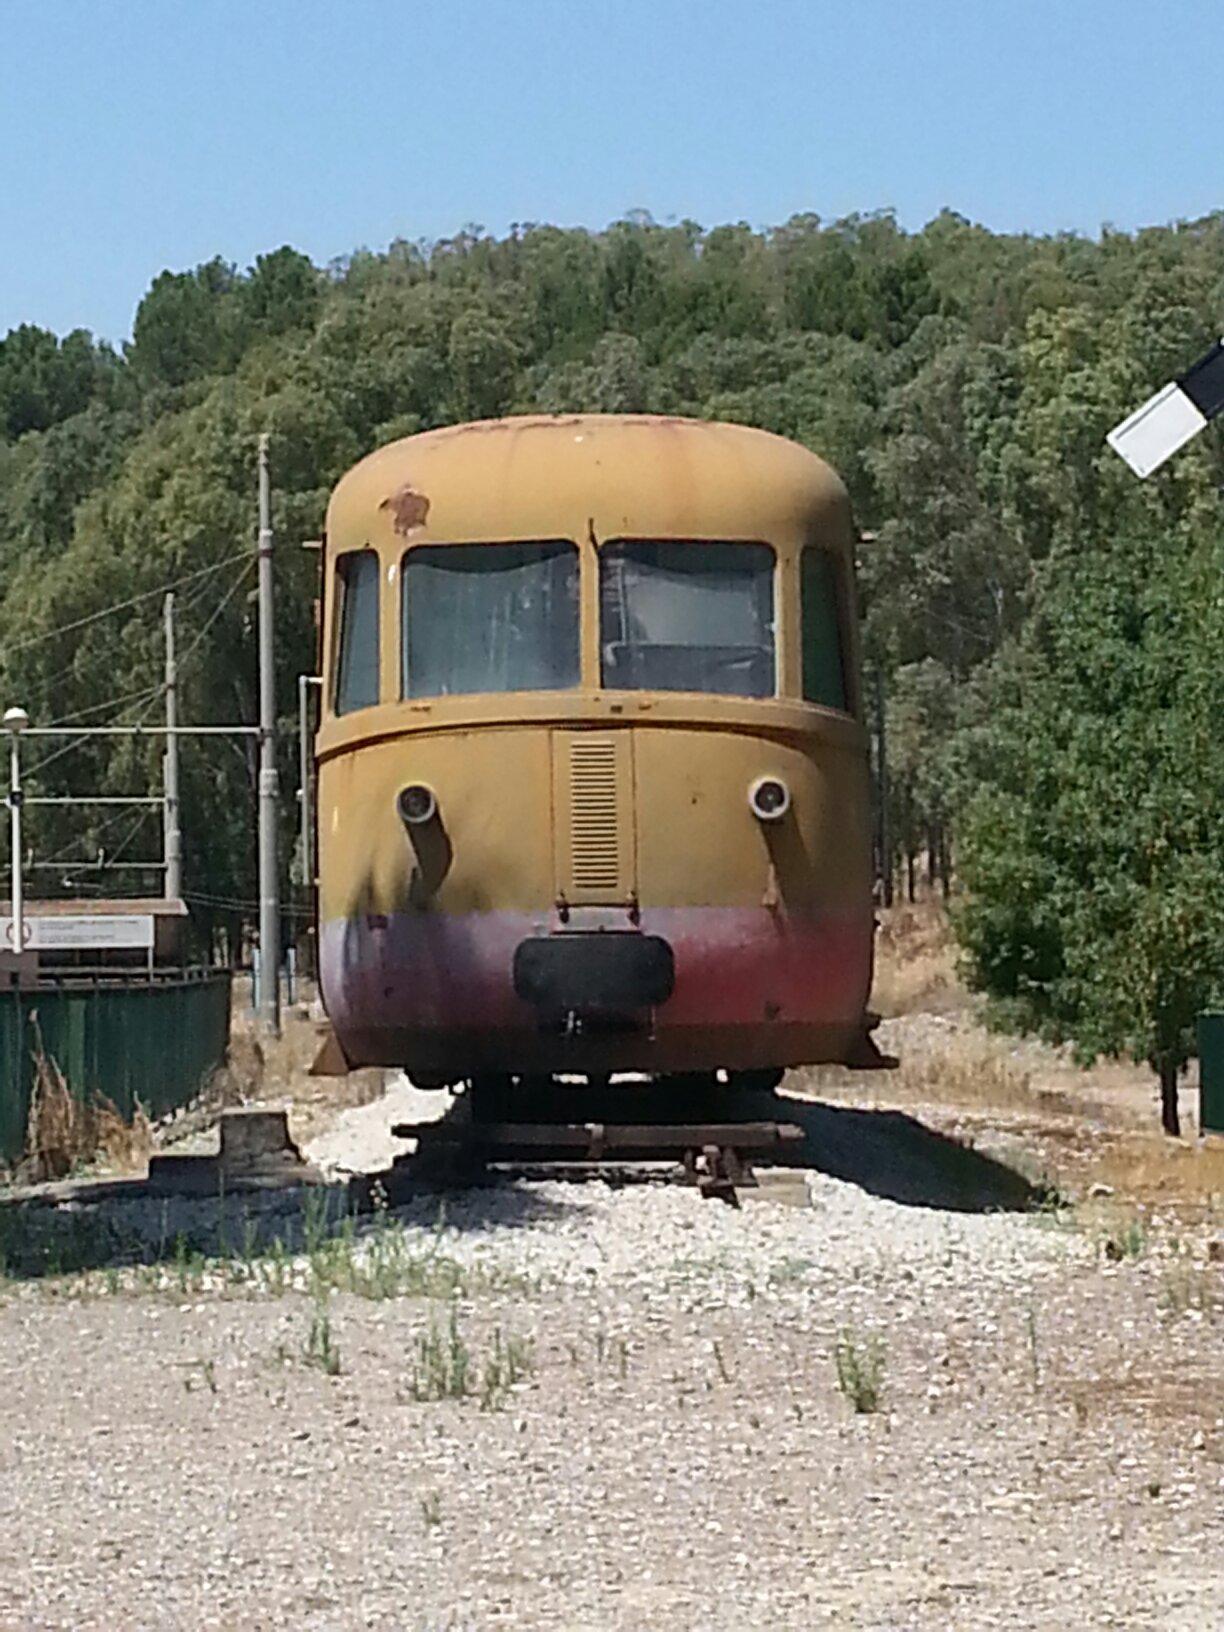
(960, 1367)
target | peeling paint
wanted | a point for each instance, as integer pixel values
(408, 508)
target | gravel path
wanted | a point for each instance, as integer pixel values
(1048, 1451)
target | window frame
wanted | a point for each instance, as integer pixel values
(557, 545)
(341, 591)
(776, 600)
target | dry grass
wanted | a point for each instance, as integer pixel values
(965, 1069)
(915, 961)
(1183, 1177)
(64, 1132)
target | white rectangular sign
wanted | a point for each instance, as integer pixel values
(1154, 432)
(84, 933)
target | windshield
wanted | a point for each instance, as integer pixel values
(490, 617)
(687, 616)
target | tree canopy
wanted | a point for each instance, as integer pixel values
(1043, 627)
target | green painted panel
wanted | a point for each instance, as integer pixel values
(1211, 1073)
(155, 1043)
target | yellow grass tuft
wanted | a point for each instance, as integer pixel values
(64, 1132)
(965, 1069)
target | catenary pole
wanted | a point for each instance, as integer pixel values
(269, 901)
(173, 886)
(17, 898)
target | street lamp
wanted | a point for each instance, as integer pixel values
(15, 722)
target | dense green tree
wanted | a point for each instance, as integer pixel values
(44, 381)
(1091, 845)
(190, 324)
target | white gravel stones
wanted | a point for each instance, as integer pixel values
(359, 1140)
(1047, 1452)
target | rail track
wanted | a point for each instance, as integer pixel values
(716, 1157)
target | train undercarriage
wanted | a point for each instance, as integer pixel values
(708, 1127)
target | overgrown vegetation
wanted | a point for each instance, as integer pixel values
(1129, 1240)
(321, 1349)
(1046, 630)
(65, 1132)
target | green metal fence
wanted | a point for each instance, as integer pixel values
(1211, 1072)
(153, 1042)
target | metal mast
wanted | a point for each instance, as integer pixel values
(269, 901)
(173, 877)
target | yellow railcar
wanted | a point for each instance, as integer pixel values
(592, 776)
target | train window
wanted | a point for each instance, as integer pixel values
(490, 618)
(357, 581)
(687, 616)
(824, 667)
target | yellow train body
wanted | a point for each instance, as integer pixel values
(591, 888)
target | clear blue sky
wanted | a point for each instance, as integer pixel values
(137, 135)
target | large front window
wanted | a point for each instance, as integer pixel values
(489, 618)
(687, 616)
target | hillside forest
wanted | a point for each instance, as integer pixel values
(1044, 633)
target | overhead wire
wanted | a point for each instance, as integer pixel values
(239, 578)
(128, 699)
(149, 696)
(193, 647)
(123, 606)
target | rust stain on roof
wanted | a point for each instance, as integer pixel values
(408, 508)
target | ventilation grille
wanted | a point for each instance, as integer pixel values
(594, 850)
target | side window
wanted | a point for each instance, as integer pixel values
(824, 666)
(490, 618)
(357, 585)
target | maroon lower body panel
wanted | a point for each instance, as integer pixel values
(753, 988)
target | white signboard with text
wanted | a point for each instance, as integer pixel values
(84, 933)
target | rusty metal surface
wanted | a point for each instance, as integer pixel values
(409, 509)
(640, 1138)
(715, 1157)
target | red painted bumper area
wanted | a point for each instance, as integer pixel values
(741, 967)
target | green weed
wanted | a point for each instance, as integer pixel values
(321, 1349)
(441, 1363)
(509, 1363)
(442, 1366)
(1128, 1242)
(1188, 1288)
(860, 1369)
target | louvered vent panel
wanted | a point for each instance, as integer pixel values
(594, 850)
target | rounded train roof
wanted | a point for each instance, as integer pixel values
(613, 475)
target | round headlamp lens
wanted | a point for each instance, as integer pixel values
(417, 803)
(769, 798)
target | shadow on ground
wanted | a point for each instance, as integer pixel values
(885, 1152)
(73, 1228)
(893, 1155)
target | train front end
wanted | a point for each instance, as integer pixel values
(592, 792)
